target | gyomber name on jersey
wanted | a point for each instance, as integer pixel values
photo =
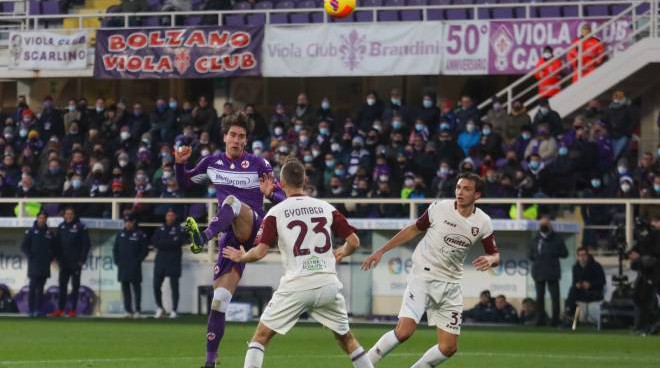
(297, 212)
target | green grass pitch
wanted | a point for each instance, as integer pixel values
(162, 343)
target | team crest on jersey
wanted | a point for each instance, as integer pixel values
(475, 231)
(232, 166)
(216, 269)
(245, 164)
(220, 162)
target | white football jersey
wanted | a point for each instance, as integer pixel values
(303, 229)
(441, 252)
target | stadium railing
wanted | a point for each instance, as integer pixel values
(413, 204)
(644, 20)
(567, 9)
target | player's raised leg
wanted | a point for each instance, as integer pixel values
(438, 354)
(232, 213)
(405, 328)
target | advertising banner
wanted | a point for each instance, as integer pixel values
(515, 47)
(353, 50)
(466, 48)
(41, 50)
(178, 53)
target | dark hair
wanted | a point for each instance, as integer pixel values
(582, 249)
(69, 208)
(293, 173)
(476, 179)
(238, 119)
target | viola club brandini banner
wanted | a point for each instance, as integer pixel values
(353, 50)
(515, 47)
(179, 53)
(47, 50)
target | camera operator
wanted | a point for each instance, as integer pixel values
(645, 259)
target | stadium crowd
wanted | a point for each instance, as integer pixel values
(386, 149)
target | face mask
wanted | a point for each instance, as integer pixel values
(123, 163)
(297, 128)
(73, 131)
(324, 131)
(656, 187)
(308, 158)
(167, 174)
(544, 110)
(396, 124)
(205, 153)
(469, 128)
(419, 127)
(137, 113)
(103, 188)
(395, 101)
(409, 182)
(325, 105)
(427, 104)
(339, 172)
(99, 108)
(547, 55)
(625, 187)
(526, 136)
(563, 151)
(210, 191)
(303, 139)
(443, 171)
(278, 131)
(534, 165)
(335, 147)
(76, 183)
(371, 101)
(23, 133)
(485, 131)
(71, 108)
(9, 136)
(283, 150)
(124, 135)
(595, 183)
(330, 163)
(444, 126)
(257, 152)
(54, 171)
(173, 105)
(336, 190)
(621, 170)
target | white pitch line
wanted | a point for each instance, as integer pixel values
(338, 356)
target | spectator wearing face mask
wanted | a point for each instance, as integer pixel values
(280, 117)
(621, 118)
(304, 111)
(561, 175)
(324, 113)
(444, 182)
(491, 142)
(469, 138)
(396, 106)
(536, 170)
(498, 117)
(429, 113)
(371, 110)
(163, 122)
(589, 49)
(627, 188)
(548, 74)
(52, 182)
(467, 112)
(420, 130)
(138, 121)
(26, 188)
(72, 113)
(447, 116)
(50, 123)
(518, 118)
(601, 137)
(546, 116)
(545, 250)
(448, 149)
(543, 144)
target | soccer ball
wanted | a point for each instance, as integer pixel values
(339, 8)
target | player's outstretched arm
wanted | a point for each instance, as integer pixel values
(240, 255)
(351, 245)
(407, 234)
(270, 188)
(486, 262)
(181, 156)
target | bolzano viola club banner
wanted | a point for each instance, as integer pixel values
(179, 53)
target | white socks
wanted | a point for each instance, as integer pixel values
(386, 343)
(431, 358)
(254, 356)
(360, 359)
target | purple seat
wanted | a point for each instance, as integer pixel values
(7, 7)
(643, 8)
(234, 20)
(596, 10)
(256, 19)
(548, 12)
(302, 17)
(51, 7)
(503, 13)
(458, 14)
(372, 3)
(286, 4)
(279, 18)
(316, 17)
(150, 22)
(52, 209)
(192, 20)
(197, 211)
(394, 3)
(364, 16)
(35, 7)
(350, 19)
(437, 14)
(154, 4)
(463, 2)
(417, 2)
(264, 5)
(617, 9)
(412, 14)
(570, 11)
(307, 4)
(388, 16)
(243, 5)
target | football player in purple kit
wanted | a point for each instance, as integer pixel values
(241, 181)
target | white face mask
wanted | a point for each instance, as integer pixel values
(625, 187)
(371, 101)
(547, 55)
(469, 128)
(124, 135)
